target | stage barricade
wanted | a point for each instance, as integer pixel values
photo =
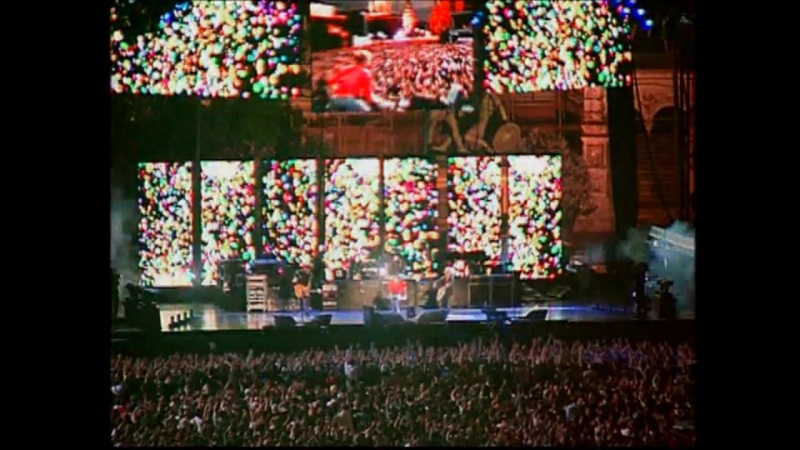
(343, 336)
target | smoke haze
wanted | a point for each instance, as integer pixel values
(664, 262)
(124, 252)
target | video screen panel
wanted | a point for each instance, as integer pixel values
(352, 196)
(542, 45)
(534, 215)
(411, 211)
(228, 221)
(474, 192)
(391, 55)
(165, 224)
(215, 49)
(290, 210)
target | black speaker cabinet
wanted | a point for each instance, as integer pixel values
(494, 290)
(284, 322)
(461, 293)
(354, 295)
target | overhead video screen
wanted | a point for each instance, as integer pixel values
(412, 203)
(228, 204)
(352, 196)
(290, 210)
(211, 49)
(534, 215)
(391, 55)
(474, 192)
(540, 45)
(165, 224)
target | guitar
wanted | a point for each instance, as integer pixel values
(302, 291)
(441, 291)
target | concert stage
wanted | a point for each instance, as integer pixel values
(211, 318)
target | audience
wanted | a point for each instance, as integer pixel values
(412, 71)
(543, 393)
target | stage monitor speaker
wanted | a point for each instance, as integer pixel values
(375, 318)
(434, 316)
(369, 314)
(322, 320)
(388, 318)
(622, 148)
(284, 322)
(537, 315)
(496, 316)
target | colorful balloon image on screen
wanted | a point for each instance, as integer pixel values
(165, 224)
(395, 56)
(352, 230)
(474, 191)
(534, 215)
(411, 213)
(541, 45)
(228, 221)
(212, 49)
(290, 210)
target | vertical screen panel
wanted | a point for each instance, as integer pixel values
(474, 191)
(290, 210)
(228, 221)
(165, 224)
(543, 45)
(352, 230)
(411, 213)
(244, 49)
(534, 216)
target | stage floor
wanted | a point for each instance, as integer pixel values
(210, 318)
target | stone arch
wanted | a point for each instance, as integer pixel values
(649, 112)
(662, 122)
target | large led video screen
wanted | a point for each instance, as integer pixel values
(290, 210)
(541, 45)
(391, 55)
(165, 224)
(534, 215)
(214, 49)
(474, 193)
(228, 202)
(352, 197)
(411, 212)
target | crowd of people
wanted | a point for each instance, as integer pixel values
(542, 393)
(405, 75)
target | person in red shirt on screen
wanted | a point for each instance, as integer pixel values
(351, 86)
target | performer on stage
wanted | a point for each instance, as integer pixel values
(394, 269)
(285, 288)
(302, 287)
(638, 291)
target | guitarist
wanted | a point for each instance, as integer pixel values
(302, 287)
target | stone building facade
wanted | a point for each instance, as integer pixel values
(583, 113)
